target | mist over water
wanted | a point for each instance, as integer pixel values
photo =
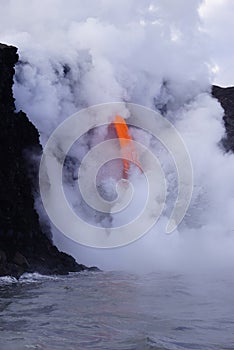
(153, 53)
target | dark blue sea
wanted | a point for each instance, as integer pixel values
(118, 310)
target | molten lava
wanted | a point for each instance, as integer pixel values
(128, 150)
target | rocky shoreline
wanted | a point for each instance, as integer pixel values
(25, 242)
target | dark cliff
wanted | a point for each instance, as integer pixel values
(25, 244)
(226, 97)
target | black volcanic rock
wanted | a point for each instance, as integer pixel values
(25, 245)
(226, 98)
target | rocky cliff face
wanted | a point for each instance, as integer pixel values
(226, 97)
(25, 245)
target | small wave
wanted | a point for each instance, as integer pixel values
(7, 280)
(35, 277)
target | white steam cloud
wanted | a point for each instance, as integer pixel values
(217, 17)
(155, 53)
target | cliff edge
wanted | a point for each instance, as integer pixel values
(25, 244)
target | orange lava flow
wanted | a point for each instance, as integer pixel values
(128, 150)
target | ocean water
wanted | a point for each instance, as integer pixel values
(118, 310)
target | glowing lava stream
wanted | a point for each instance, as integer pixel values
(126, 144)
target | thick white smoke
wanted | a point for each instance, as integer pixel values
(217, 17)
(75, 54)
